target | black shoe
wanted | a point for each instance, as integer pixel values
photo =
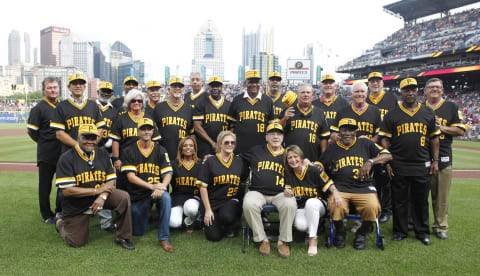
(398, 237)
(228, 232)
(127, 244)
(339, 240)
(441, 235)
(111, 229)
(425, 240)
(384, 218)
(411, 226)
(50, 220)
(359, 241)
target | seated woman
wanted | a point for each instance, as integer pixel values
(219, 182)
(185, 194)
(309, 185)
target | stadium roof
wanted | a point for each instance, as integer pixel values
(413, 9)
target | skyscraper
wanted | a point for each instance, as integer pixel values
(83, 57)
(309, 54)
(35, 56)
(254, 43)
(101, 61)
(119, 53)
(65, 51)
(208, 51)
(265, 63)
(49, 38)
(133, 68)
(14, 48)
(28, 50)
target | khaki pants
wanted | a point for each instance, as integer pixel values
(74, 230)
(367, 206)
(441, 183)
(252, 207)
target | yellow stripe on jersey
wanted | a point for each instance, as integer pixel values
(113, 136)
(386, 134)
(326, 186)
(435, 133)
(30, 126)
(56, 125)
(101, 123)
(231, 118)
(462, 126)
(111, 177)
(201, 184)
(65, 180)
(377, 130)
(157, 138)
(199, 117)
(166, 170)
(129, 168)
(325, 134)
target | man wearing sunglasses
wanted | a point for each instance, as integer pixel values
(86, 178)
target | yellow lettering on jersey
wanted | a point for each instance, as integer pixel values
(91, 176)
(174, 121)
(349, 161)
(186, 181)
(330, 114)
(148, 168)
(305, 124)
(365, 126)
(215, 117)
(79, 120)
(270, 166)
(411, 128)
(129, 132)
(251, 115)
(226, 179)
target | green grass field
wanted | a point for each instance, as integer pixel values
(30, 247)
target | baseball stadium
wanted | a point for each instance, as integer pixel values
(433, 43)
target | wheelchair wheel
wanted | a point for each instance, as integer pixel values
(328, 241)
(381, 243)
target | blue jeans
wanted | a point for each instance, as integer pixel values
(140, 216)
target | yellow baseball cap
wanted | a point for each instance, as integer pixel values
(130, 79)
(215, 79)
(274, 127)
(252, 74)
(87, 129)
(408, 82)
(348, 122)
(105, 85)
(153, 83)
(144, 122)
(289, 98)
(175, 80)
(375, 75)
(76, 77)
(275, 74)
(328, 77)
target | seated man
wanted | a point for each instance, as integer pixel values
(266, 187)
(349, 162)
(87, 179)
(149, 172)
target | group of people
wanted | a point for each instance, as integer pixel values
(203, 161)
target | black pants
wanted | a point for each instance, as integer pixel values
(419, 187)
(45, 177)
(384, 189)
(225, 216)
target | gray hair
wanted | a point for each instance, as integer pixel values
(195, 73)
(360, 83)
(49, 80)
(130, 96)
(306, 85)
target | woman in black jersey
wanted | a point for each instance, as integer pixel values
(185, 194)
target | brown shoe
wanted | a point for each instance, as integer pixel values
(283, 250)
(166, 246)
(264, 248)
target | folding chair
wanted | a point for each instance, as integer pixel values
(270, 226)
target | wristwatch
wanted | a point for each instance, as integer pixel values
(104, 197)
(370, 160)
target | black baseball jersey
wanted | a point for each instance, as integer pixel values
(48, 146)
(149, 109)
(124, 131)
(150, 166)
(250, 119)
(312, 183)
(385, 102)
(342, 163)
(267, 169)
(278, 106)
(118, 104)
(305, 129)
(330, 109)
(368, 120)
(69, 116)
(192, 100)
(214, 120)
(221, 179)
(73, 170)
(184, 181)
(109, 114)
(173, 124)
(409, 134)
(450, 115)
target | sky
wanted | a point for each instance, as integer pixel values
(161, 33)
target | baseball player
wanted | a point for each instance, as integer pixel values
(129, 83)
(329, 102)
(154, 89)
(275, 93)
(198, 93)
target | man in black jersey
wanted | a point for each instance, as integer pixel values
(86, 178)
(75, 111)
(128, 84)
(210, 117)
(410, 133)
(198, 93)
(266, 187)
(154, 89)
(275, 92)
(305, 125)
(449, 119)
(349, 162)
(385, 102)
(48, 147)
(250, 113)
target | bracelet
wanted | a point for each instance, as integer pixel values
(370, 160)
(114, 158)
(436, 159)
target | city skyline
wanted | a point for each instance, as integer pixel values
(341, 30)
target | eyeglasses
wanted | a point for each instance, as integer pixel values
(229, 143)
(434, 87)
(136, 101)
(90, 163)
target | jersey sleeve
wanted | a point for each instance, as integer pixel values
(324, 182)
(386, 127)
(111, 175)
(432, 128)
(33, 122)
(457, 117)
(58, 122)
(323, 132)
(271, 113)
(198, 111)
(156, 136)
(157, 118)
(377, 121)
(204, 178)
(232, 115)
(100, 123)
(374, 149)
(165, 166)
(334, 125)
(116, 131)
(65, 174)
(128, 162)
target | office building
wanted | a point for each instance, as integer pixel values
(14, 48)
(208, 51)
(28, 50)
(49, 38)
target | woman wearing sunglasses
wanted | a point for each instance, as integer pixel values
(219, 183)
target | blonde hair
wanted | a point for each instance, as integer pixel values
(180, 148)
(221, 136)
(295, 149)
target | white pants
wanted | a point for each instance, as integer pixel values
(306, 220)
(189, 209)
